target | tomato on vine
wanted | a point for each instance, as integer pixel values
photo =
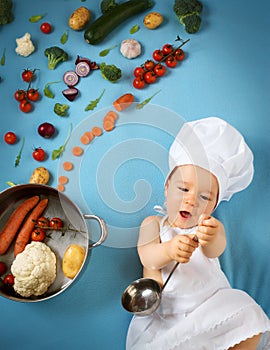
(159, 69)
(25, 106)
(9, 279)
(138, 71)
(149, 64)
(167, 49)
(10, 137)
(28, 75)
(171, 61)
(138, 83)
(179, 54)
(32, 94)
(43, 222)
(56, 223)
(39, 154)
(19, 95)
(38, 235)
(158, 55)
(150, 77)
(46, 28)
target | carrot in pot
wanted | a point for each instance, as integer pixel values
(24, 234)
(14, 222)
(123, 102)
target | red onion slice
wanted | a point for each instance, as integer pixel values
(82, 59)
(70, 93)
(82, 69)
(70, 78)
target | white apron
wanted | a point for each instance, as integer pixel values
(199, 310)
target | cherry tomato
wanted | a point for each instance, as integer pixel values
(149, 77)
(43, 222)
(149, 64)
(19, 95)
(179, 54)
(9, 279)
(171, 61)
(10, 137)
(39, 154)
(158, 55)
(159, 69)
(38, 235)
(138, 72)
(3, 268)
(138, 83)
(56, 223)
(46, 28)
(32, 94)
(167, 49)
(28, 75)
(25, 106)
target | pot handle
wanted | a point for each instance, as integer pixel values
(103, 229)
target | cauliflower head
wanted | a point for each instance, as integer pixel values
(34, 270)
(24, 45)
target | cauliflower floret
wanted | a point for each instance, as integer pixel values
(34, 269)
(24, 45)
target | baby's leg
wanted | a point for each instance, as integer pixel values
(249, 344)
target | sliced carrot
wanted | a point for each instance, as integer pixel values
(89, 134)
(61, 188)
(109, 118)
(123, 102)
(85, 139)
(112, 114)
(77, 151)
(97, 131)
(63, 179)
(67, 166)
(108, 125)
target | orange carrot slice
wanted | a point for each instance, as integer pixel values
(97, 131)
(112, 114)
(61, 188)
(63, 180)
(67, 166)
(77, 151)
(85, 139)
(108, 125)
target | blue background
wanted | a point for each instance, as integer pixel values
(226, 74)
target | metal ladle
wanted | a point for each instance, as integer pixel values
(143, 296)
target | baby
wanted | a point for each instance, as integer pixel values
(209, 161)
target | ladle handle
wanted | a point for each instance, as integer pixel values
(195, 239)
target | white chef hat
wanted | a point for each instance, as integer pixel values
(213, 144)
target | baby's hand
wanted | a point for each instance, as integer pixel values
(208, 228)
(181, 247)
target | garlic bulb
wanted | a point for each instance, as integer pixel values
(130, 48)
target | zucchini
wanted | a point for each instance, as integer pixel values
(105, 24)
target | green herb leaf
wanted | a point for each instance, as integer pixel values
(106, 51)
(142, 104)
(18, 158)
(36, 18)
(3, 58)
(64, 37)
(47, 91)
(134, 29)
(92, 105)
(56, 153)
(10, 183)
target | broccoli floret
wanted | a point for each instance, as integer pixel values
(6, 15)
(61, 109)
(188, 13)
(110, 72)
(107, 5)
(55, 55)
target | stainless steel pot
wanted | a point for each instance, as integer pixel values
(59, 206)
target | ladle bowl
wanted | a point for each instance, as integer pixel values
(142, 297)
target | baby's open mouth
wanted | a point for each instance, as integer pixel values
(185, 214)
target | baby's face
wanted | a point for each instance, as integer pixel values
(190, 192)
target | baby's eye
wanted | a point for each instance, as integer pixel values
(205, 197)
(183, 189)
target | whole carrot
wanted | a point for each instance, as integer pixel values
(14, 222)
(24, 234)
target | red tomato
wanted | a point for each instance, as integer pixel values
(46, 28)
(149, 77)
(9, 279)
(20, 95)
(56, 223)
(43, 222)
(25, 106)
(138, 83)
(38, 235)
(39, 154)
(171, 61)
(167, 49)
(158, 55)
(149, 64)
(138, 72)
(159, 69)
(10, 137)
(28, 75)
(179, 54)
(3, 268)
(32, 94)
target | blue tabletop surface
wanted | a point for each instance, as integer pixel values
(120, 175)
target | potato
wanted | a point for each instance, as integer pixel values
(153, 20)
(79, 18)
(72, 260)
(40, 176)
